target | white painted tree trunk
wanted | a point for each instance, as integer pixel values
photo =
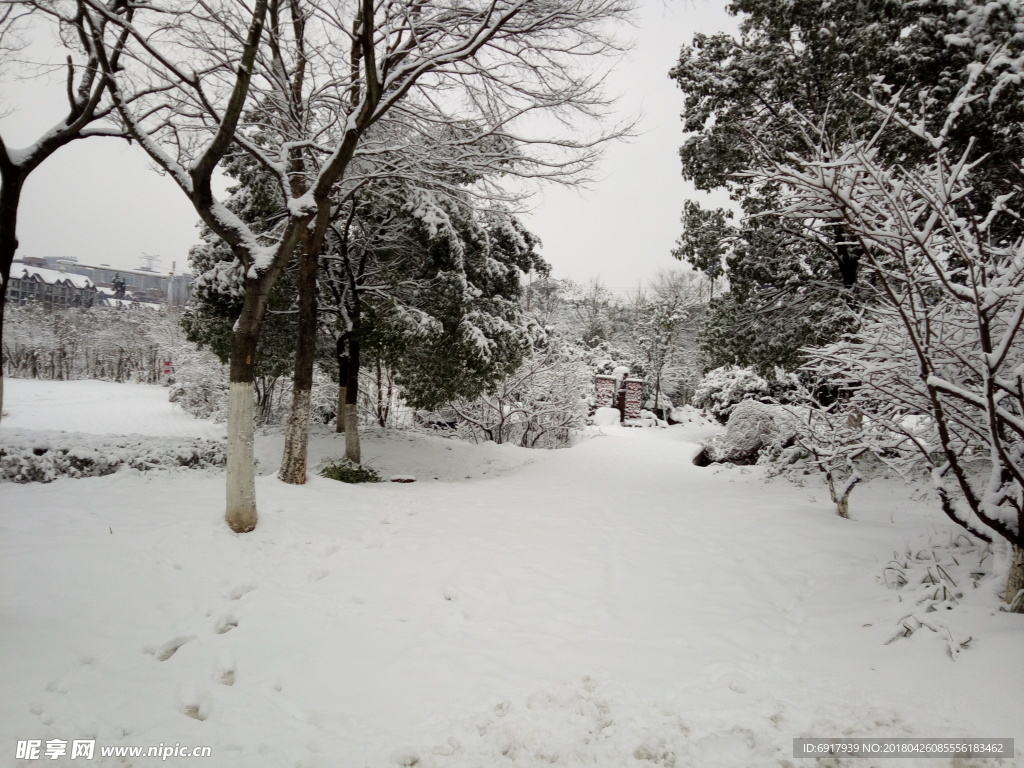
(1015, 583)
(296, 439)
(241, 470)
(1, 395)
(352, 449)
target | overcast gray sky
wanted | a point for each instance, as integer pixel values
(101, 201)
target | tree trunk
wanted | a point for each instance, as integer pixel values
(352, 449)
(1015, 583)
(841, 496)
(240, 512)
(296, 438)
(11, 185)
(341, 355)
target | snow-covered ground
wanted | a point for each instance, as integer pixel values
(609, 605)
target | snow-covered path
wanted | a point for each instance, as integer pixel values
(607, 605)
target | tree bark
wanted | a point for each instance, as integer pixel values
(841, 497)
(341, 355)
(1015, 583)
(296, 439)
(352, 448)
(240, 512)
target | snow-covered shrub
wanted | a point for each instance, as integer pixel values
(346, 471)
(722, 389)
(753, 427)
(539, 406)
(30, 456)
(200, 383)
(934, 579)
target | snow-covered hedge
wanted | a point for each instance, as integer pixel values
(37, 456)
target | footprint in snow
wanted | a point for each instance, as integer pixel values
(224, 669)
(225, 624)
(168, 649)
(241, 591)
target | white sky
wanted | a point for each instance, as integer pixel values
(101, 201)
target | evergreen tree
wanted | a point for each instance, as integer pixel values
(798, 71)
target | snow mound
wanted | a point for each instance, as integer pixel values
(606, 417)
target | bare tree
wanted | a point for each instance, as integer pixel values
(87, 111)
(318, 94)
(665, 329)
(939, 355)
(540, 405)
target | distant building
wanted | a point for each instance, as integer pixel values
(50, 288)
(146, 285)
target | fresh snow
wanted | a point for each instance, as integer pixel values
(100, 407)
(607, 605)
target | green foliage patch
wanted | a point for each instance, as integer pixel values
(347, 471)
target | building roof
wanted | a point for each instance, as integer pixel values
(21, 271)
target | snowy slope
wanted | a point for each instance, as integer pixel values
(608, 605)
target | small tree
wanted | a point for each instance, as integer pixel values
(664, 331)
(537, 406)
(938, 358)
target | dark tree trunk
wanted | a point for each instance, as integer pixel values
(296, 440)
(341, 355)
(352, 449)
(846, 260)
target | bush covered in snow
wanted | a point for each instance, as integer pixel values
(31, 456)
(753, 428)
(723, 388)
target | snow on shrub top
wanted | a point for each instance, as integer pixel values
(723, 388)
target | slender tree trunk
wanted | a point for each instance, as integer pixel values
(352, 449)
(382, 416)
(341, 354)
(296, 438)
(841, 495)
(11, 182)
(1015, 583)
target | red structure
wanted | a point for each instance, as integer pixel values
(634, 394)
(605, 389)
